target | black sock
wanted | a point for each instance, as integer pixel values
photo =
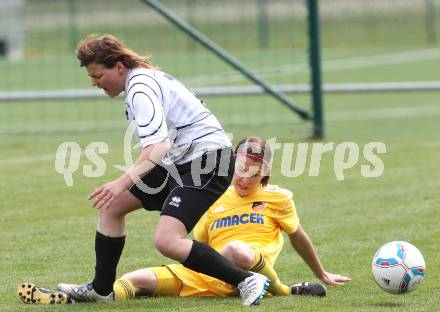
(204, 259)
(108, 251)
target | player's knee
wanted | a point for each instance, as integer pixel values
(165, 244)
(111, 213)
(140, 282)
(170, 239)
(238, 254)
(141, 279)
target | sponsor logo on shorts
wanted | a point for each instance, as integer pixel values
(175, 201)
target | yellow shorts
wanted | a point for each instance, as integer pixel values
(177, 280)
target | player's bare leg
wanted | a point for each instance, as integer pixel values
(111, 221)
(109, 243)
(248, 259)
(239, 253)
(137, 283)
(170, 239)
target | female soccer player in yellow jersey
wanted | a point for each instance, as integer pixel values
(245, 225)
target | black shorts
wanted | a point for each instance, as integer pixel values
(186, 191)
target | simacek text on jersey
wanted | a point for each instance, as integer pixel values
(295, 158)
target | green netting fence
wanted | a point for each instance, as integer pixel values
(38, 39)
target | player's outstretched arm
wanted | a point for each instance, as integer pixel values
(304, 247)
(105, 195)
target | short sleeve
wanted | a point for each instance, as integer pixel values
(200, 231)
(288, 218)
(149, 117)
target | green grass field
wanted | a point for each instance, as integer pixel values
(48, 228)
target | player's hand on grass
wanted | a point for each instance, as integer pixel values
(334, 279)
(104, 196)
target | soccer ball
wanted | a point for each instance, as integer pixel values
(398, 267)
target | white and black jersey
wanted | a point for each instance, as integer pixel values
(165, 110)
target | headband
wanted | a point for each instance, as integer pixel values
(253, 156)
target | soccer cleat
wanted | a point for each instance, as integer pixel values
(253, 288)
(308, 289)
(32, 294)
(85, 293)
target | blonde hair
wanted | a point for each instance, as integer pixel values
(108, 50)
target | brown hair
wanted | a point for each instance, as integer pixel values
(108, 50)
(257, 149)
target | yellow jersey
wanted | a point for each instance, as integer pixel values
(257, 220)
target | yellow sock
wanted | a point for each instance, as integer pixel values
(123, 289)
(261, 266)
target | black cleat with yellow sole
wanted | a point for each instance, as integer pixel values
(308, 289)
(32, 294)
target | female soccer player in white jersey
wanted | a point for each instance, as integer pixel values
(180, 177)
(246, 226)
